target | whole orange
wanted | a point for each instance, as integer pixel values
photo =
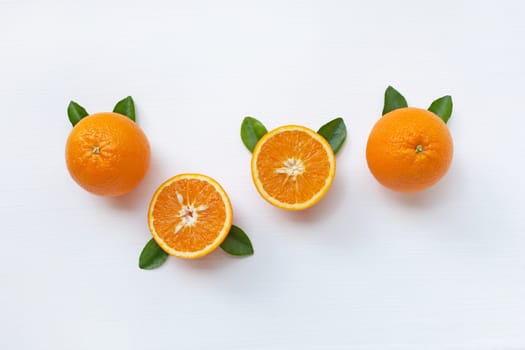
(107, 154)
(409, 149)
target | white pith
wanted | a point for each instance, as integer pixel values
(292, 168)
(188, 214)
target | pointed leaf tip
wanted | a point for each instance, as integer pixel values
(335, 133)
(126, 107)
(152, 256)
(237, 243)
(393, 100)
(442, 107)
(75, 112)
(251, 132)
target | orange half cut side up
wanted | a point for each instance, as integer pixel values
(293, 167)
(190, 215)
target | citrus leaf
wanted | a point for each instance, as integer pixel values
(335, 133)
(152, 256)
(251, 131)
(237, 243)
(75, 112)
(126, 107)
(393, 100)
(442, 107)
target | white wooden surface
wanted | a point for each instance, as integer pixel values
(365, 269)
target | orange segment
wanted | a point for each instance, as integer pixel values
(293, 167)
(190, 215)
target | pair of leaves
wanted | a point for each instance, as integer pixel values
(442, 107)
(334, 132)
(236, 243)
(125, 107)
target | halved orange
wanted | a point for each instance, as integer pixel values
(190, 215)
(293, 167)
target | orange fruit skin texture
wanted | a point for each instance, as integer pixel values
(107, 154)
(392, 149)
(279, 146)
(197, 200)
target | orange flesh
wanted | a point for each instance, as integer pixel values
(168, 214)
(293, 144)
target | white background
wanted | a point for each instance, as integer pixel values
(364, 269)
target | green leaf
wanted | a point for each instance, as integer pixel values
(335, 133)
(393, 100)
(126, 107)
(237, 243)
(75, 112)
(251, 131)
(442, 107)
(152, 256)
